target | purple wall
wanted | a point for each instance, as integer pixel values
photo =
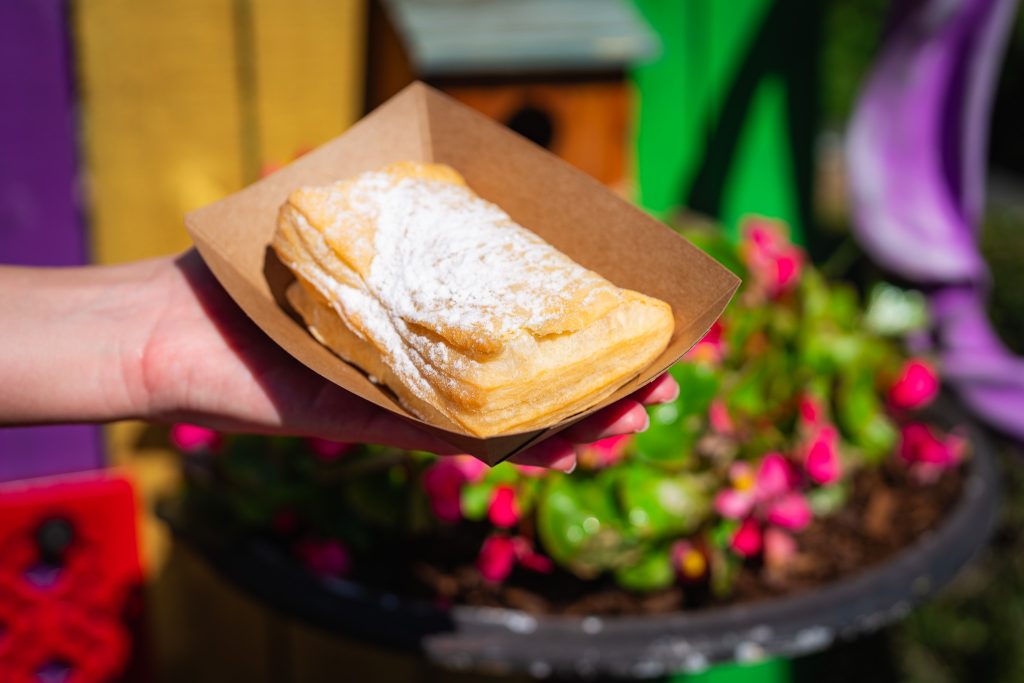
(39, 218)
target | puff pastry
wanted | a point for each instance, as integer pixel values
(474, 322)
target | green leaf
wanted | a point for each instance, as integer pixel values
(660, 505)
(675, 426)
(476, 498)
(651, 571)
(502, 473)
(827, 500)
(725, 567)
(862, 416)
(721, 534)
(698, 385)
(580, 526)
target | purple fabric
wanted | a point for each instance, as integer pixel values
(916, 155)
(39, 221)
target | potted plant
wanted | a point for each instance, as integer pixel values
(804, 485)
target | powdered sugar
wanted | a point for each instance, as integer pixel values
(449, 260)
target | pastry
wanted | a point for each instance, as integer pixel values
(475, 323)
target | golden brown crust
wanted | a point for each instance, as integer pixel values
(476, 324)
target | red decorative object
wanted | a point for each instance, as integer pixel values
(69, 567)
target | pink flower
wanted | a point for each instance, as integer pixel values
(734, 504)
(192, 439)
(774, 477)
(812, 413)
(497, 558)
(711, 348)
(327, 450)
(822, 460)
(718, 418)
(919, 444)
(779, 547)
(443, 482)
(774, 262)
(325, 558)
(916, 387)
(471, 467)
(604, 453)
(503, 510)
(791, 511)
(689, 561)
(746, 541)
(530, 558)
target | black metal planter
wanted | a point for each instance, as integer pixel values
(506, 640)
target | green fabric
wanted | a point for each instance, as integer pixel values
(770, 671)
(724, 114)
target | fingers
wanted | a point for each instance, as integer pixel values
(556, 453)
(622, 417)
(661, 390)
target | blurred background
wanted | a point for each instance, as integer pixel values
(119, 117)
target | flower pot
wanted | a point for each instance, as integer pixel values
(507, 640)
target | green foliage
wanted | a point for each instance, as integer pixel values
(661, 505)
(652, 571)
(581, 526)
(619, 516)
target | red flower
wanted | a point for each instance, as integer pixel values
(791, 511)
(192, 439)
(711, 348)
(443, 482)
(325, 558)
(327, 450)
(503, 510)
(746, 541)
(822, 460)
(530, 558)
(497, 558)
(812, 413)
(929, 454)
(719, 419)
(916, 387)
(774, 262)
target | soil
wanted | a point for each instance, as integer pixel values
(886, 512)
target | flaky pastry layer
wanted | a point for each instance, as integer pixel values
(475, 323)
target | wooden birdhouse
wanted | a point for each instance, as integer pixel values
(552, 70)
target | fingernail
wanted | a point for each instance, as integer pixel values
(567, 463)
(647, 423)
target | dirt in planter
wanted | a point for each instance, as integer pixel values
(886, 512)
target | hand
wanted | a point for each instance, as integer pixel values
(187, 353)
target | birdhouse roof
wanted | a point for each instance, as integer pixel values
(456, 37)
